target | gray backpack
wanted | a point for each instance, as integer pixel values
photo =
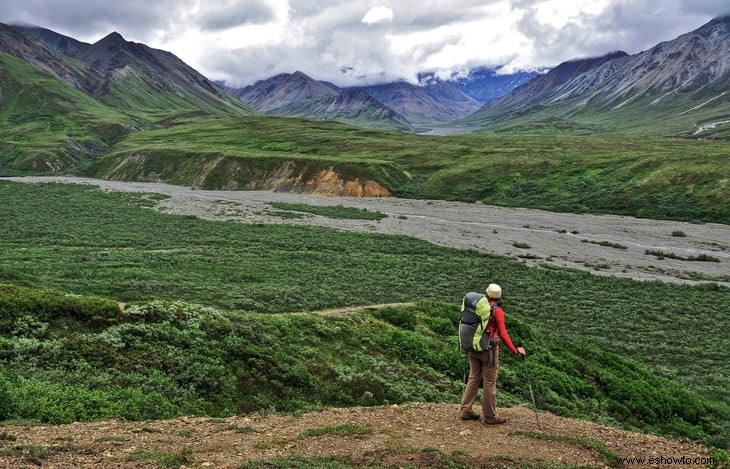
(473, 334)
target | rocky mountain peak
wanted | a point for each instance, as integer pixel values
(300, 75)
(282, 90)
(108, 53)
(112, 39)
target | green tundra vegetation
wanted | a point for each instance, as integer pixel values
(653, 177)
(220, 319)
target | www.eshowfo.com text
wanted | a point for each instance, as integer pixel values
(666, 461)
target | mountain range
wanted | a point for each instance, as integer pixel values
(400, 105)
(678, 87)
(64, 101)
(298, 95)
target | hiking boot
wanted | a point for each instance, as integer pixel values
(471, 415)
(496, 420)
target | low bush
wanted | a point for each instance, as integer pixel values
(63, 310)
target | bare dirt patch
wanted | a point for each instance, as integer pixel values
(392, 435)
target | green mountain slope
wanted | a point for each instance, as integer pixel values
(58, 111)
(703, 114)
(150, 83)
(131, 91)
(47, 125)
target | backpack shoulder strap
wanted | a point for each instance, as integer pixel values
(491, 312)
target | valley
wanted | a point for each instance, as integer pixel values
(601, 244)
(201, 275)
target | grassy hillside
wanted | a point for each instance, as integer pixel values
(244, 152)
(165, 357)
(79, 358)
(132, 92)
(46, 125)
(678, 179)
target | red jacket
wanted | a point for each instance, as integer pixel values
(497, 329)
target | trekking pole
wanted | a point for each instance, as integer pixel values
(532, 396)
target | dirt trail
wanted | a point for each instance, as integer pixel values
(352, 309)
(392, 435)
(601, 244)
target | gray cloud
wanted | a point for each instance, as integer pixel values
(429, 14)
(628, 25)
(245, 40)
(705, 7)
(231, 13)
(91, 19)
(636, 26)
(327, 42)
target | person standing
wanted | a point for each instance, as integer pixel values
(481, 329)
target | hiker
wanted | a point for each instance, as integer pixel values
(482, 348)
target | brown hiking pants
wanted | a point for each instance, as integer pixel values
(482, 366)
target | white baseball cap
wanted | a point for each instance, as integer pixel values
(494, 291)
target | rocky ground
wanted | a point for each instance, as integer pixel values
(601, 244)
(412, 435)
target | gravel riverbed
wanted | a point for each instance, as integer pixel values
(601, 244)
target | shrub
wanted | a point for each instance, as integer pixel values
(403, 317)
(61, 403)
(5, 402)
(71, 312)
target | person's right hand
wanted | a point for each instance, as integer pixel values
(521, 351)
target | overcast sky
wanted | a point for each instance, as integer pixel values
(353, 42)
